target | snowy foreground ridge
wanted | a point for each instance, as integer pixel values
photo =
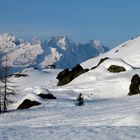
(108, 112)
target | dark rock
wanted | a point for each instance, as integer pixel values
(116, 69)
(63, 73)
(47, 96)
(17, 75)
(27, 104)
(100, 62)
(67, 75)
(134, 86)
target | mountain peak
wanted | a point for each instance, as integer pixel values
(63, 42)
(35, 41)
(7, 42)
(98, 45)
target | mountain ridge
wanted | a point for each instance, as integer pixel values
(59, 51)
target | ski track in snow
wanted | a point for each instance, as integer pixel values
(108, 112)
(61, 119)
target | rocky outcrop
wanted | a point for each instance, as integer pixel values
(116, 69)
(47, 96)
(134, 86)
(67, 75)
(100, 62)
(27, 104)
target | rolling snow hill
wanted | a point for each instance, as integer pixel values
(108, 112)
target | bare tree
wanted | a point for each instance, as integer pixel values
(6, 86)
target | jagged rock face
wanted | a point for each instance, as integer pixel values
(7, 43)
(27, 104)
(67, 75)
(66, 54)
(134, 86)
(60, 51)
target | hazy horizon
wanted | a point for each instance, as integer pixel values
(111, 22)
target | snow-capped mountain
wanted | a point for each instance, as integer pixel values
(65, 53)
(8, 43)
(107, 113)
(60, 51)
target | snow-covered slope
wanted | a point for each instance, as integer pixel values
(99, 82)
(128, 51)
(108, 112)
(106, 118)
(58, 50)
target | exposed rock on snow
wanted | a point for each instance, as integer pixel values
(28, 101)
(100, 62)
(134, 86)
(17, 75)
(27, 104)
(47, 96)
(116, 69)
(43, 93)
(67, 75)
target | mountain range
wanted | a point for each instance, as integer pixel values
(59, 51)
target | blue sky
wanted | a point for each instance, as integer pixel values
(111, 21)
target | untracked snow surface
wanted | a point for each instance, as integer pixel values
(107, 114)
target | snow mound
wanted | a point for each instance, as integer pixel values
(40, 90)
(31, 97)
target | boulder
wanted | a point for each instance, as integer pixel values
(67, 75)
(116, 69)
(47, 96)
(134, 86)
(27, 104)
(64, 77)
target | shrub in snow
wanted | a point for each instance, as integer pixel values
(27, 104)
(134, 86)
(67, 75)
(47, 96)
(116, 69)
